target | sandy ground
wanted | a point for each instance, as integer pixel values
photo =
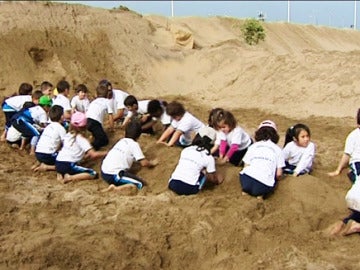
(300, 73)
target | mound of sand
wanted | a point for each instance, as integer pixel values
(300, 73)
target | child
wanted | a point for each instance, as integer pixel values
(234, 141)
(196, 165)
(46, 88)
(95, 116)
(157, 110)
(351, 156)
(139, 110)
(214, 114)
(298, 151)
(263, 162)
(12, 105)
(80, 102)
(182, 127)
(50, 141)
(115, 166)
(63, 90)
(31, 121)
(75, 148)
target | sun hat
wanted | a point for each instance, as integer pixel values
(45, 101)
(208, 132)
(78, 119)
(268, 123)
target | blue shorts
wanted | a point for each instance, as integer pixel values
(289, 169)
(48, 159)
(182, 188)
(64, 167)
(122, 178)
(253, 187)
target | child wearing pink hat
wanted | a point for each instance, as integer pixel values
(263, 162)
(75, 147)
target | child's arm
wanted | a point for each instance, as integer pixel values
(344, 161)
(305, 160)
(233, 148)
(278, 174)
(92, 154)
(119, 114)
(111, 121)
(175, 137)
(149, 163)
(126, 121)
(166, 134)
(214, 148)
(222, 148)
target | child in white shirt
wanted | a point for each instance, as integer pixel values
(263, 162)
(299, 151)
(157, 110)
(115, 166)
(75, 147)
(80, 101)
(182, 128)
(62, 98)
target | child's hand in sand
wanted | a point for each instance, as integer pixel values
(334, 173)
(153, 162)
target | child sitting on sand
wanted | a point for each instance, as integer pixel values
(75, 147)
(196, 165)
(183, 126)
(80, 101)
(351, 155)
(263, 162)
(299, 151)
(50, 141)
(157, 110)
(115, 166)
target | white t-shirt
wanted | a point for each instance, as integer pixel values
(142, 108)
(191, 163)
(236, 136)
(188, 124)
(262, 159)
(51, 138)
(38, 114)
(13, 135)
(98, 108)
(119, 96)
(301, 157)
(80, 105)
(74, 148)
(352, 145)
(62, 101)
(122, 156)
(17, 102)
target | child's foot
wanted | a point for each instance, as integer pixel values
(244, 193)
(351, 227)
(260, 198)
(60, 178)
(127, 189)
(41, 167)
(35, 166)
(15, 146)
(336, 228)
(109, 188)
(67, 178)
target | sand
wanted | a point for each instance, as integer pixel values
(300, 73)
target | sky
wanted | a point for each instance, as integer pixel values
(339, 14)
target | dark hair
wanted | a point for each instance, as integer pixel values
(266, 133)
(174, 109)
(28, 104)
(62, 86)
(45, 85)
(81, 88)
(294, 131)
(25, 89)
(228, 118)
(202, 143)
(106, 83)
(214, 115)
(130, 100)
(37, 94)
(358, 117)
(133, 129)
(102, 91)
(154, 108)
(55, 113)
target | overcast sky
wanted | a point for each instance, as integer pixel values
(330, 13)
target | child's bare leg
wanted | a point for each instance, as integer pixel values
(60, 178)
(32, 150)
(44, 167)
(336, 228)
(3, 136)
(34, 167)
(77, 177)
(23, 144)
(351, 227)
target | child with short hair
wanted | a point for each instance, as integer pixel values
(157, 110)
(183, 126)
(80, 101)
(263, 162)
(234, 141)
(50, 141)
(115, 166)
(13, 104)
(47, 88)
(96, 114)
(351, 155)
(298, 151)
(75, 147)
(62, 98)
(196, 165)
(31, 121)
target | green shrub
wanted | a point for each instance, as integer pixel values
(253, 31)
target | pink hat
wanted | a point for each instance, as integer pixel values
(267, 123)
(78, 119)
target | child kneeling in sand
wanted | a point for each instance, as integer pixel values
(196, 165)
(75, 147)
(115, 166)
(263, 162)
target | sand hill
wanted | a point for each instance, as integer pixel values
(299, 73)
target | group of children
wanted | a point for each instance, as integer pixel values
(57, 130)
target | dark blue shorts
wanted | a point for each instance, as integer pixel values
(254, 187)
(72, 168)
(48, 159)
(182, 188)
(122, 178)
